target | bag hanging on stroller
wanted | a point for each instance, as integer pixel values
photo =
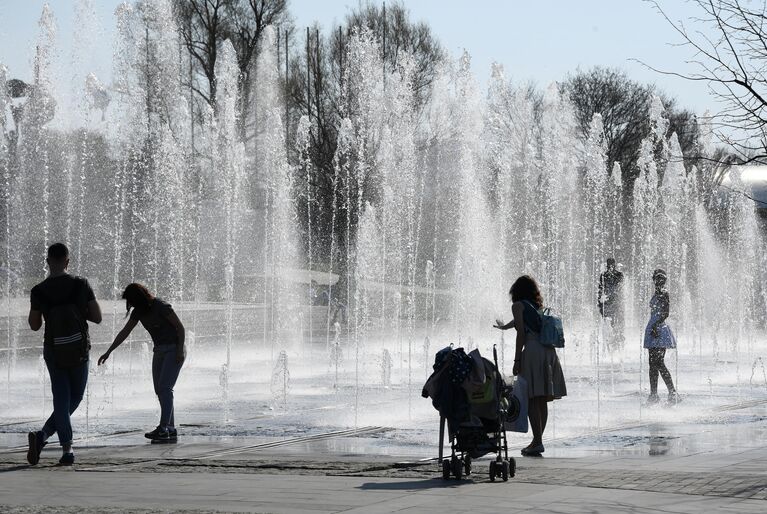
(516, 413)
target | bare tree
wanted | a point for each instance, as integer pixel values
(398, 34)
(730, 52)
(624, 106)
(206, 24)
(246, 21)
(203, 27)
(316, 71)
(316, 78)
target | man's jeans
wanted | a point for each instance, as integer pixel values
(68, 387)
(165, 370)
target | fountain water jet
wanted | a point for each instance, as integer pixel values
(435, 208)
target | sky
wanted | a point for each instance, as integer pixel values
(539, 41)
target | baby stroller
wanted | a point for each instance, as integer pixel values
(471, 397)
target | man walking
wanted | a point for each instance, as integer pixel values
(66, 304)
(610, 300)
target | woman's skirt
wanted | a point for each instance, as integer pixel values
(665, 337)
(540, 367)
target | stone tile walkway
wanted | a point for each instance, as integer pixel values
(234, 475)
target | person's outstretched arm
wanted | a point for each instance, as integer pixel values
(119, 339)
(503, 326)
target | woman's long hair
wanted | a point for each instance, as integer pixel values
(137, 297)
(526, 288)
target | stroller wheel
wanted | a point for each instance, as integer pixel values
(446, 469)
(457, 465)
(512, 467)
(492, 471)
(505, 471)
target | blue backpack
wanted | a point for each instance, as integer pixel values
(552, 334)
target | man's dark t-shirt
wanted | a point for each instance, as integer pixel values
(610, 284)
(60, 290)
(155, 321)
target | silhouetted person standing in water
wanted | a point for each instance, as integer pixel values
(167, 332)
(658, 337)
(538, 364)
(66, 304)
(610, 299)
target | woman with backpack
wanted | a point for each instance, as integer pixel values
(167, 333)
(658, 337)
(536, 363)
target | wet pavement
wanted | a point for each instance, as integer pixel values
(639, 467)
(243, 449)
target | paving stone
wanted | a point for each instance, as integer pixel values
(130, 478)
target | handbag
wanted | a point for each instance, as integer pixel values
(516, 414)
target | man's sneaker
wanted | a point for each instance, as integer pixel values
(153, 434)
(652, 399)
(67, 459)
(36, 444)
(162, 435)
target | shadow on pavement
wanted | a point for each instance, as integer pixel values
(432, 483)
(14, 468)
